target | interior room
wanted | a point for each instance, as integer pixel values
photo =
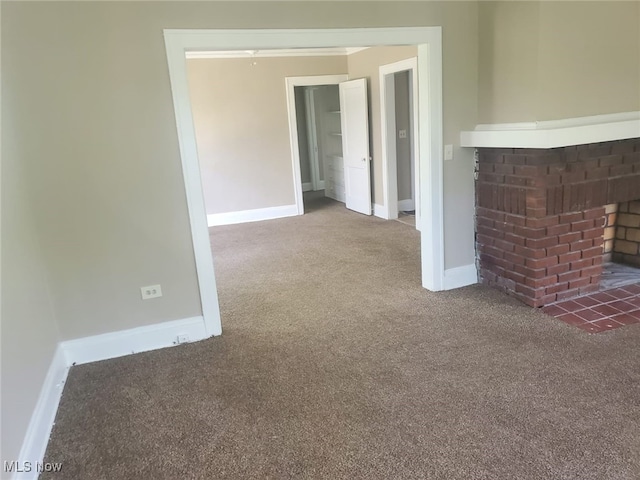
(325, 343)
(289, 101)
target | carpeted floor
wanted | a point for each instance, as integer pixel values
(336, 364)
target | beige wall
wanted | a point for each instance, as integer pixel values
(29, 331)
(508, 61)
(589, 59)
(242, 127)
(554, 60)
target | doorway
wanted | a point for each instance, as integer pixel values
(400, 131)
(320, 142)
(431, 199)
(313, 104)
(337, 117)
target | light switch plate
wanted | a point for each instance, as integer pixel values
(448, 152)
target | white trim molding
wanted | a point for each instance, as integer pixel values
(134, 340)
(380, 211)
(429, 41)
(460, 276)
(205, 272)
(44, 415)
(554, 133)
(256, 215)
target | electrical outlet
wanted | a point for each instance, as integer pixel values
(402, 134)
(152, 291)
(184, 338)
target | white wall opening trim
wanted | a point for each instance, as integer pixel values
(429, 42)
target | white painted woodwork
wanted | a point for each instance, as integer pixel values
(354, 116)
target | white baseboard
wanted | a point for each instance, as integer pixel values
(380, 211)
(44, 414)
(256, 215)
(320, 184)
(85, 350)
(554, 133)
(460, 277)
(135, 340)
(406, 205)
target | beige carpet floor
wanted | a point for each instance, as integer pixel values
(335, 364)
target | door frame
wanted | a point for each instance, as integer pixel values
(291, 83)
(429, 42)
(389, 159)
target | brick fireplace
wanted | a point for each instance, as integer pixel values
(541, 216)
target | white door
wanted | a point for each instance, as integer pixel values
(354, 116)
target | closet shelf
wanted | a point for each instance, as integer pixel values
(336, 134)
(333, 111)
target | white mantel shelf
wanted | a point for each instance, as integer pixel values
(554, 133)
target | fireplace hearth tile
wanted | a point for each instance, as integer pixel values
(633, 289)
(554, 310)
(606, 310)
(600, 312)
(618, 293)
(634, 301)
(627, 318)
(604, 297)
(570, 305)
(587, 301)
(590, 315)
(572, 319)
(623, 306)
(606, 324)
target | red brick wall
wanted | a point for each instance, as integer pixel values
(540, 215)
